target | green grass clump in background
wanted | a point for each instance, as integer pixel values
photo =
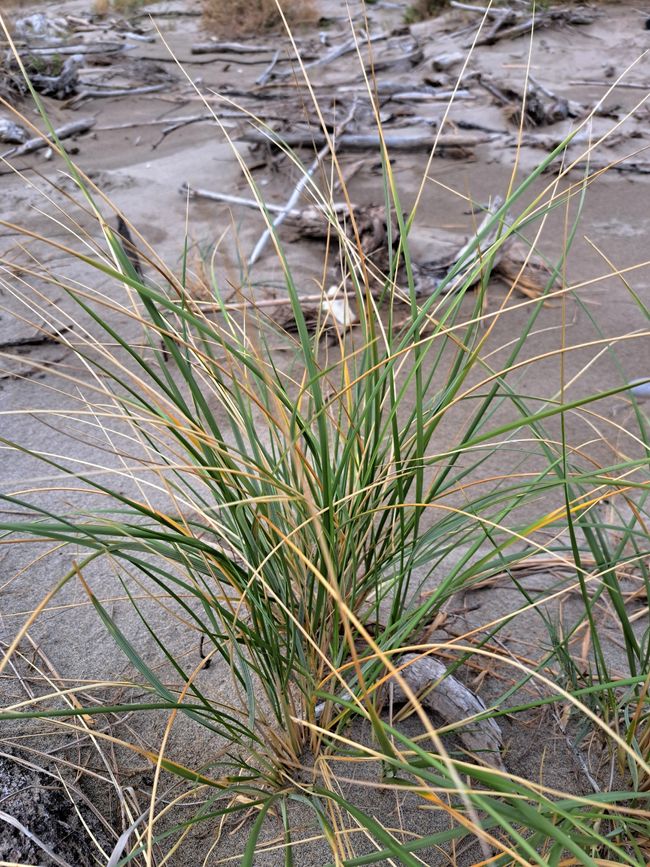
(423, 9)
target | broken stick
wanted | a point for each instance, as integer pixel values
(75, 127)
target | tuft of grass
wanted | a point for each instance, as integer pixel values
(420, 10)
(306, 515)
(233, 18)
(104, 7)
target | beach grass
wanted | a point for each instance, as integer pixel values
(310, 520)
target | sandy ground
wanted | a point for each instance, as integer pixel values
(142, 174)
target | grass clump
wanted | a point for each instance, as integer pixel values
(234, 18)
(307, 517)
(420, 10)
(122, 7)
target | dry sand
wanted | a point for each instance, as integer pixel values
(142, 175)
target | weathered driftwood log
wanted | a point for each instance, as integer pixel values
(75, 127)
(403, 58)
(513, 262)
(541, 107)
(336, 52)
(61, 86)
(82, 48)
(120, 91)
(215, 47)
(450, 700)
(12, 133)
(429, 276)
(405, 140)
(512, 23)
(524, 269)
(40, 26)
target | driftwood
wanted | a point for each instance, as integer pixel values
(181, 122)
(82, 48)
(61, 86)
(228, 48)
(429, 276)
(40, 26)
(264, 77)
(378, 237)
(541, 106)
(327, 315)
(12, 133)
(443, 62)
(633, 167)
(137, 37)
(405, 140)
(122, 91)
(338, 51)
(392, 57)
(451, 700)
(75, 127)
(523, 269)
(412, 96)
(310, 222)
(620, 85)
(508, 23)
(288, 207)
(513, 262)
(314, 222)
(225, 198)
(303, 181)
(172, 122)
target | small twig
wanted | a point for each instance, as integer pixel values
(184, 121)
(575, 751)
(619, 84)
(168, 121)
(264, 77)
